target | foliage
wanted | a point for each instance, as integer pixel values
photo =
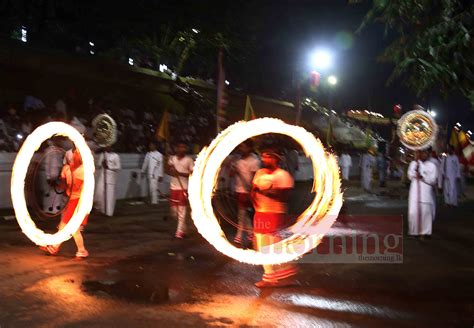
(432, 45)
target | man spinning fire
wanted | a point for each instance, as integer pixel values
(72, 180)
(271, 189)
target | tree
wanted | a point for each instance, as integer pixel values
(432, 45)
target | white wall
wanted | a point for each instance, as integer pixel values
(127, 185)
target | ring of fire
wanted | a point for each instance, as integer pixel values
(20, 169)
(310, 226)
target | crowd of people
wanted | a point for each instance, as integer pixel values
(135, 129)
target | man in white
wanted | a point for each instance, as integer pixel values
(108, 165)
(180, 166)
(451, 174)
(153, 167)
(53, 164)
(244, 170)
(345, 161)
(421, 199)
(367, 162)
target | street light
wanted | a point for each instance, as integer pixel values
(332, 80)
(321, 59)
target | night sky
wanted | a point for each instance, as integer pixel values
(294, 28)
(281, 34)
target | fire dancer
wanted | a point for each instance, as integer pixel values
(72, 179)
(270, 193)
(180, 166)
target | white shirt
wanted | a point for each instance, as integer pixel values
(183, 165)
(428, 180)
(245, 170)
(153, 164)
(450, 167)
(278, 179)
(113, 165)
(345, 160)
(367, 162)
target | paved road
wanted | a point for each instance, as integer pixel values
(139, 276)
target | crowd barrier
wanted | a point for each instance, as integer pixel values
(130, 183)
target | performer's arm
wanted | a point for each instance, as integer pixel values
(412, 173)
(100, 161)
(279, 194)
(429, 176)
(160, 168)
(115, 164)
(145, 163)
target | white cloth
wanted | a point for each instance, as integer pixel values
(53, 163)
(278, 179)
(345, 161)
(437, 163)
(105, 197)
(153, 164)
(183, 165)
(245, 170)
(421, 199)
(153, 167)
(451, 173)
(367, 162)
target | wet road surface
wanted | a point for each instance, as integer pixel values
(139, 276)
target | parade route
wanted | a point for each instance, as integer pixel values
(138, 275)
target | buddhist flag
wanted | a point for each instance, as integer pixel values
(453, 140)
(462, 138)
(249, 113)
(163, 133)
(221, 94)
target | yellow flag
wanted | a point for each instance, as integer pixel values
(249, 113)
(162, 133)
(453, 140)
(462, 138)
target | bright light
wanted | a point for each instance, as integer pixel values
(19, 136)
(458, 124)
(163, 68)
(432, 113)
(91, 52)
(469, 132)
(20, 170)
(227, 82)
(91, 44)
(24, 34)
(130, 61)
(321, 59)
(332, 80)
(310, 226)
(195, 31)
